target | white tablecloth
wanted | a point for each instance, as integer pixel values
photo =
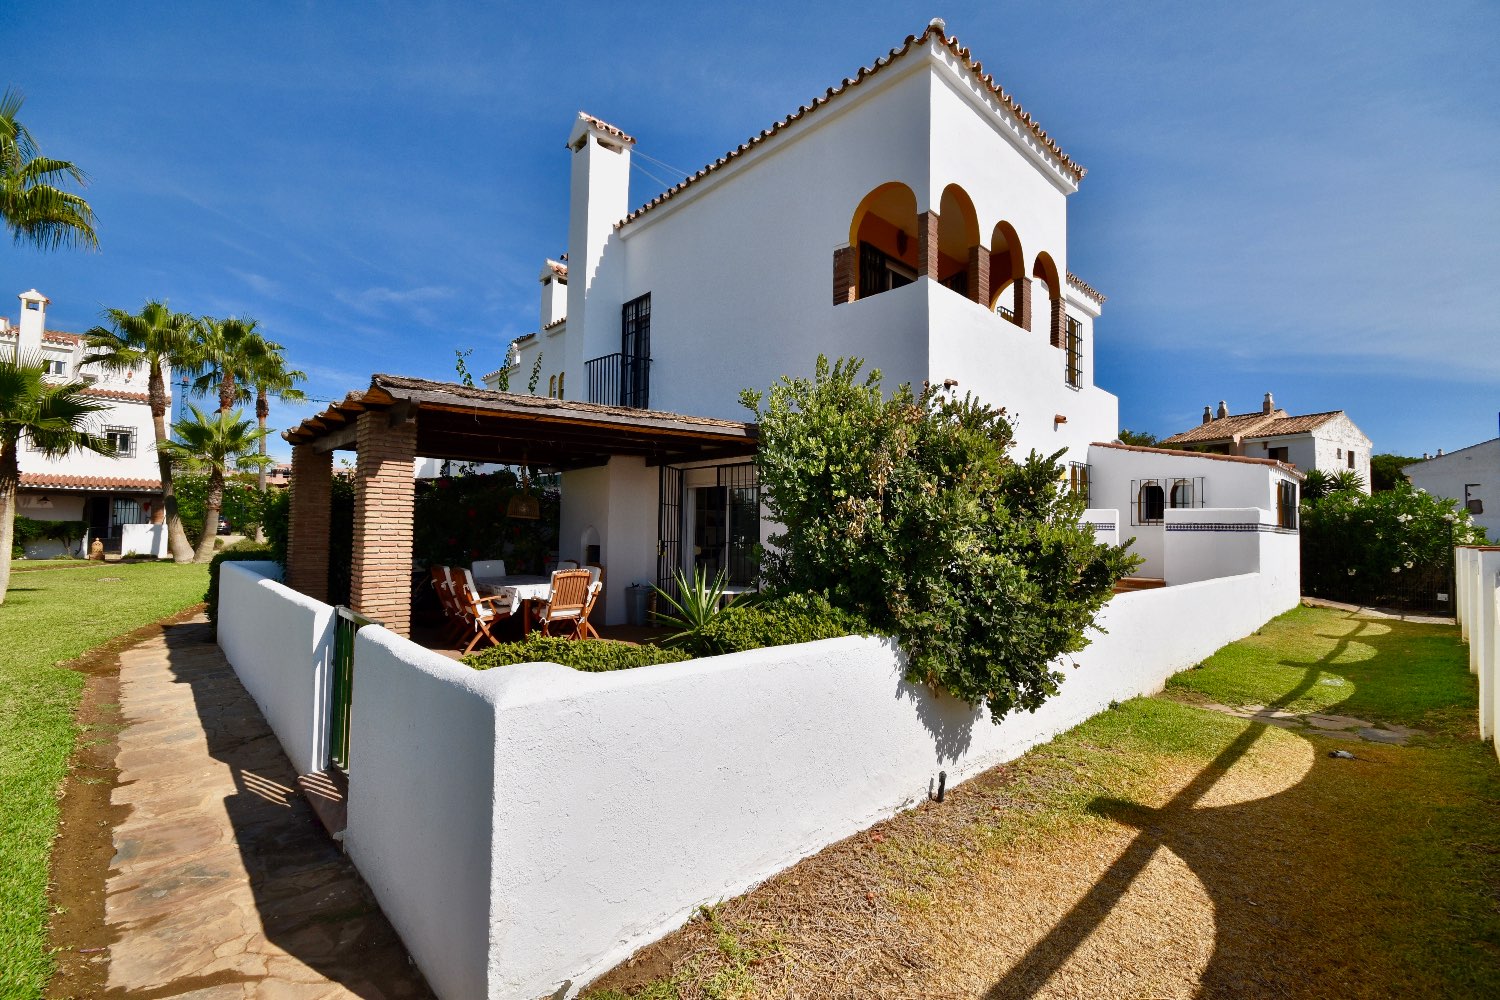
(515, 588)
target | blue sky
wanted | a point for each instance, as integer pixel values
(1295, 197)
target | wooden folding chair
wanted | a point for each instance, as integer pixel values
(478, 613)
(568, 603)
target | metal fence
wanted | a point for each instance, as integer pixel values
(346, 623)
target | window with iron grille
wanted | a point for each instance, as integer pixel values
(1286, 504)
(122, 440)
(635, 352)
(1075, 352)
(1152, 497)
(1078, 480)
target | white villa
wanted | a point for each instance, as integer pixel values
(913, 216)
(1329, 441)
(119, 496)
(1469, 475)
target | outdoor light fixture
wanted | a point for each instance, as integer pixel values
(523, 506)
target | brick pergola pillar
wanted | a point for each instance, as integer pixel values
(1059, 327)
(845, 275)
(979, 274)
(384, 499)
(1023, 302)
(928, 263)
(309, 522)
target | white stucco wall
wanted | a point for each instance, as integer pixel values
(1478, 578)
(617, 504)
(280, 644)
(144, 540)
(1447, 475)
(1201, 544)
(531, 825)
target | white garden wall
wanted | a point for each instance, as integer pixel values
(280, 643)
(1477, 570)
(533, 825)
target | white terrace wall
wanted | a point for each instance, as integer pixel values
(280, 644)
(533, 825)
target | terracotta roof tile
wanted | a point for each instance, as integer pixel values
(1290, 470)
(605, 126)
(119, 394)
(1257, 424)
(1297, 424)
(54, 480)
(559, 269)
(865, 72)
(1086, 288)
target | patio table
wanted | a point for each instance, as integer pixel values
(519, 589)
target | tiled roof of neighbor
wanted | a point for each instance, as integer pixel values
(1257, 424)
(1290, 470)
(606, 126)
(119, 394)
(1450, 454)
(1086, 288)
(865, 72)
(53, 480)
(555, 323)
(559, 269)
(48, 336)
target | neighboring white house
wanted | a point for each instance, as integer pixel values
(913, 216)
(119, 496)
(1470, 475)
(1329, 441)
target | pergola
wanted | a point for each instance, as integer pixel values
(398, 419)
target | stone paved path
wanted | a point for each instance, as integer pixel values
(223, 885)
(1338, 727)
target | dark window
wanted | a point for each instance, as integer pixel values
(635, 352)
(127, 512)
(1279, 454)
(1075, 352)
(1286, 504)
(1182, 493)
(122, 440)
(1351, 458)
(880, 272)
(958, 282)
(1078, 480)
(1150, 503)
(53, 366)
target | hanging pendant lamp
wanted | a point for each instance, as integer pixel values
(523, 506)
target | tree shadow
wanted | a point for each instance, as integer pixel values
(1254, 945)
(310, 900)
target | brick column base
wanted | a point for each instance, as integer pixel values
(1059, 322)
(979, 275)
(1023, 302)
(311, 516)
(927, 246)
(384, 502)
(845, 275)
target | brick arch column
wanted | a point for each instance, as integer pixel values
(1059, 326)
(385, 493)
(309, 521)
(1023, 303)
(979, 274)
(845, 274)
(928, 263)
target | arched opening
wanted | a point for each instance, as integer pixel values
(1044, 272)
(882, 250)
(1151, 503)
(1008, 285)
(560, 377)
(958, 241)
(551, 386)
(1182, 493)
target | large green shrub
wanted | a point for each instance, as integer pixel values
(910, 512)
(592, 655)
(1369, 548)
(779, 621)
(243, 507)
(28, 530)
(340, 534)
(241, 551)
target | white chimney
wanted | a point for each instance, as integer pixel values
(33, 322)
(554, 279)
(599, 198)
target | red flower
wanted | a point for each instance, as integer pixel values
(473, 512)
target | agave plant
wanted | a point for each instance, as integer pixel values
(698, 601)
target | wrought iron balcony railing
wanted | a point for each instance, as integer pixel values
(620, 380)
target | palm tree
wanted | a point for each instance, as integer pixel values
(34, 208)
(55, 419)
(229, 350)
(215, 444)
(270, 376)
(161, 339)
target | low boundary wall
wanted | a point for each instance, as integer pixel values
(533, 825)
(280, 643)
(1477, 572)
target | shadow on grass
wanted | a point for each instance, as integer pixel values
(309, 898)
(1258, 949)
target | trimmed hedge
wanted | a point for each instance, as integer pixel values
(242, 551)
(781, 621)
(592, 655)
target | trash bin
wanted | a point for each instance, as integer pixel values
(637, 603)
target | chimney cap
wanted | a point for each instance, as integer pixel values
(35, 296)
(1208, 414)
(939, 24)
(1223, 409)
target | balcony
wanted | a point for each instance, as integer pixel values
(620, 380)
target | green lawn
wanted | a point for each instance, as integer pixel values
(50, 617)
(1326, 660)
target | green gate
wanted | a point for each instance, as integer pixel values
(346, 624)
